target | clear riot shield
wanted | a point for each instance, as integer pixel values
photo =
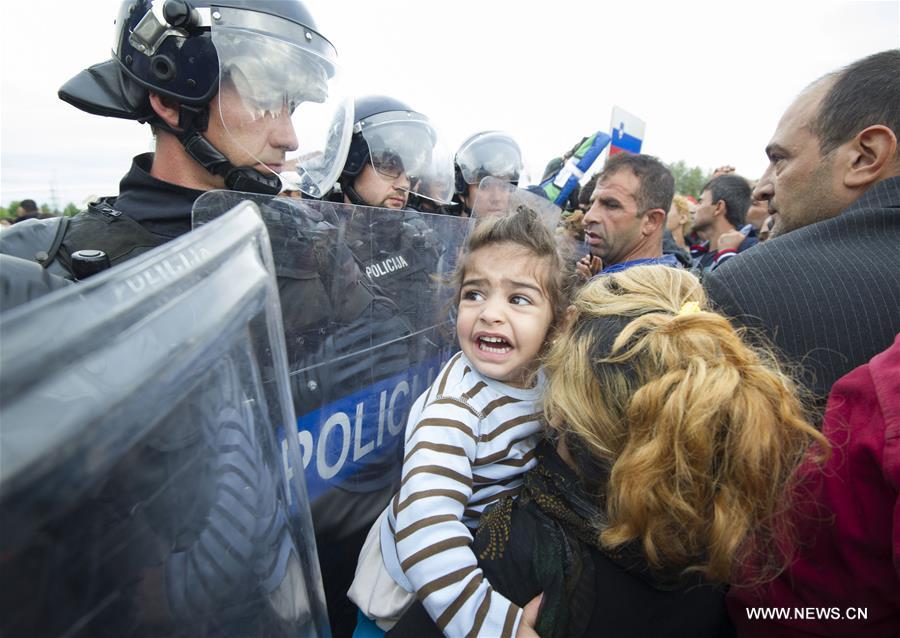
(367, 324)
(143, 452)
(500, 197)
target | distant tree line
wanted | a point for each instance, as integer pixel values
(689, 179)
(70, 209)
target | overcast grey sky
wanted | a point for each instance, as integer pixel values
(710, 79)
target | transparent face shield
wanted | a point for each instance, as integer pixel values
(280, 100)
(499, 197)
(405, 143)
(435, 181)
(368, 360)
(490, 155)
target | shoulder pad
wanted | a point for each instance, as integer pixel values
(36, 240)
(22, 281)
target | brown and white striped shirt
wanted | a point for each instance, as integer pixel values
(469, 440)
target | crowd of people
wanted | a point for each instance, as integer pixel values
(665, 415)
(25, 210)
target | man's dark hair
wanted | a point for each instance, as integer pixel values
(657, 184)
(735, 191)
(28, 206)
(864, 93)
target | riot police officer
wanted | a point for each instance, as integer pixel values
(236, 94)
(392, 146)
(240, 95)
(392, 149)
(485, 154)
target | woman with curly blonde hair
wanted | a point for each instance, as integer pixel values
(668, 472)
(701, 431)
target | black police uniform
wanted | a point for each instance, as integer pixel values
(137, 504)
(328, 310)
(398, 252)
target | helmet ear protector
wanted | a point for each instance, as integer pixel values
(462, 187)
(357, 156)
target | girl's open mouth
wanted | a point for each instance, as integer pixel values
(496, 345)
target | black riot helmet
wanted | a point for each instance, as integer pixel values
(393, 138)
(239, 61)
(487, 154)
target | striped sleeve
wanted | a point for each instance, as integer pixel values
(433, 545)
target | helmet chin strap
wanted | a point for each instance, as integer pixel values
(193, 121)
(351, 194)
(237, 178)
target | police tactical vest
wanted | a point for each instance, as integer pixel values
(102, 227)
(51, 242)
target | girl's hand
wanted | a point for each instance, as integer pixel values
(529, 618)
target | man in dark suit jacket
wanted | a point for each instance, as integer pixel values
(826, 288)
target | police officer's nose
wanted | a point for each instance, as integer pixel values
(283, 134)
(402, 182)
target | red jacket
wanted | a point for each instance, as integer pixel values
(850, 556)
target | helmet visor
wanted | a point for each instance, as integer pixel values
(399, 143)
(404, 142)
(490, 154)
(280, 101)
(435, 183)
(499, 197)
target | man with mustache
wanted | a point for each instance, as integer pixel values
(392, 149)
(625, 224)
